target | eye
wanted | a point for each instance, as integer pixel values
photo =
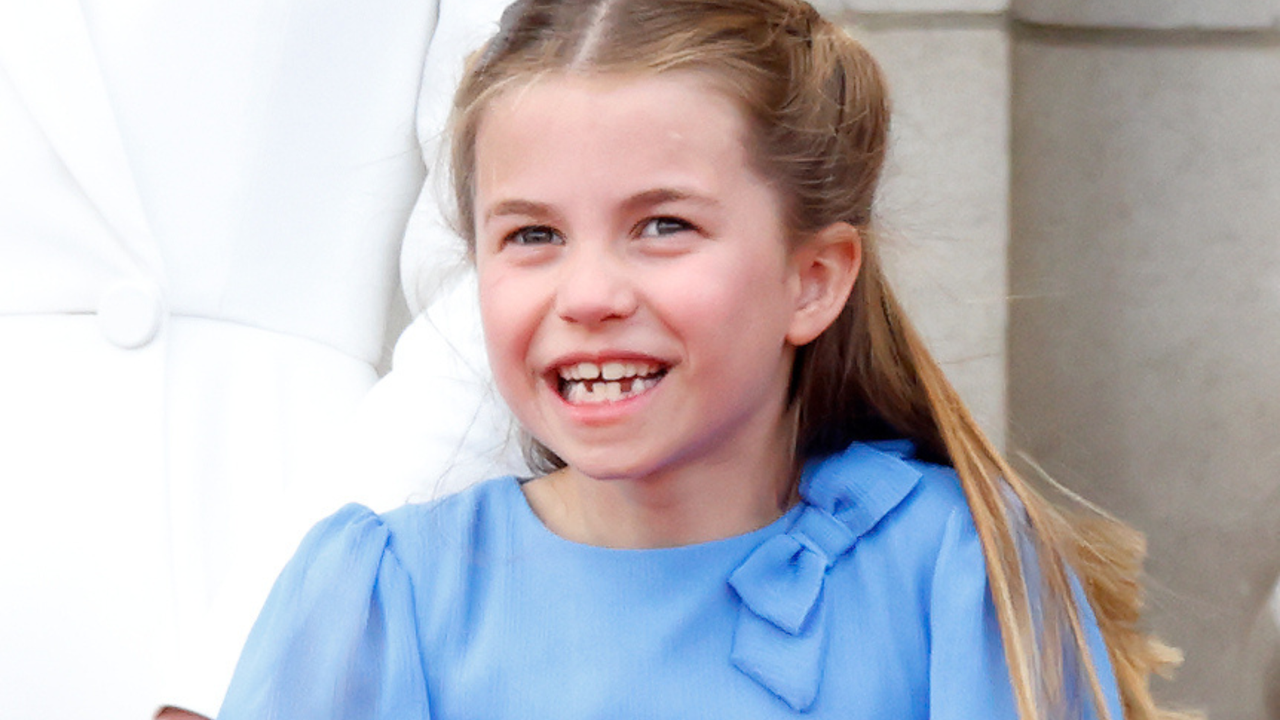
(533, 235)
(661, 226)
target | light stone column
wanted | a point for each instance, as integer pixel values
(1145, 330)
(944, 206)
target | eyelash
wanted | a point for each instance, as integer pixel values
(520, 235)
(550, 236)
(681, 225)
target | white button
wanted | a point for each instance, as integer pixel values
(130, 314)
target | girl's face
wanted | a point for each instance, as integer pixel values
(636, 287)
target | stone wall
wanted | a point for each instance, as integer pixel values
(944, 209)
(1134, 350)
(1145, 332)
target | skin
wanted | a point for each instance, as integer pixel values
(169, 712)
(619, 219)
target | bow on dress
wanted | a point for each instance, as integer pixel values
(781, 633)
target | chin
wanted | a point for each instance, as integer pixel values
(608, 472)
(607, 466)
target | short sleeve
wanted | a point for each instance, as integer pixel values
(337, 638)
(969, 678)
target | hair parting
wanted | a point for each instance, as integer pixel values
(595, 28)
(818, 118)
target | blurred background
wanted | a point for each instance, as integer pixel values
(1083, 214)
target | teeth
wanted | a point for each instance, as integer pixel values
(609, 371)
(588, 383)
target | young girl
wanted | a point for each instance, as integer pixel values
(761, 497)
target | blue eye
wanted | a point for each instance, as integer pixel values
(534, 235)
(660, 226)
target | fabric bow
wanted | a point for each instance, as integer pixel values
(781, 632)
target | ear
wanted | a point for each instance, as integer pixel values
(825, 268)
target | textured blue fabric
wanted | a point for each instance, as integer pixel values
(867, 600)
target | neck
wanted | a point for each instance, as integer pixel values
(710, 500)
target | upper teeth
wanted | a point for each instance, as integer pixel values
(608, 370)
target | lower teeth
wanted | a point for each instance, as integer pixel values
(580, 392)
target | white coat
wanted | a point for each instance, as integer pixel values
(201, 209)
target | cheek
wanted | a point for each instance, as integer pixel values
(507, 326)
(739, 298)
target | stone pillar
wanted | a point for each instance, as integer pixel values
(1144, 346)
(944, 205)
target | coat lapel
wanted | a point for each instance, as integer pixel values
(46, 50)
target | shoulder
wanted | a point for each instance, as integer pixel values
(938, 519)
(358, 536)
(477, 508)
(885, 488)
(456, 509)
(938, 495)
(910, 518)
(344, 595)
(442, 544)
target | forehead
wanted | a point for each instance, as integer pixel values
(606, 127)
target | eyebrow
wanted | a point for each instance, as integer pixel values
(641, 200)
(659, 196)
(523, 208)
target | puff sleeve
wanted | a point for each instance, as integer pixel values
(337, 638)
(969, 678)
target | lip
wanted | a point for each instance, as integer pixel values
(551, 373)
(605, 413)
(603, 357)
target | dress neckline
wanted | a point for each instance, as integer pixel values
(532, 526)
(774, 576)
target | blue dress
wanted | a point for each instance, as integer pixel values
(866, 600)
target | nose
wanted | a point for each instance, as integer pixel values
(595, 286)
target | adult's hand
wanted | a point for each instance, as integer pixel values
(169, 712)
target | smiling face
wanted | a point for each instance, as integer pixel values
(636, 287)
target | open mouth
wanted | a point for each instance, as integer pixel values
(588, 383)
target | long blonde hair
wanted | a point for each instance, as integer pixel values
(818, 118)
